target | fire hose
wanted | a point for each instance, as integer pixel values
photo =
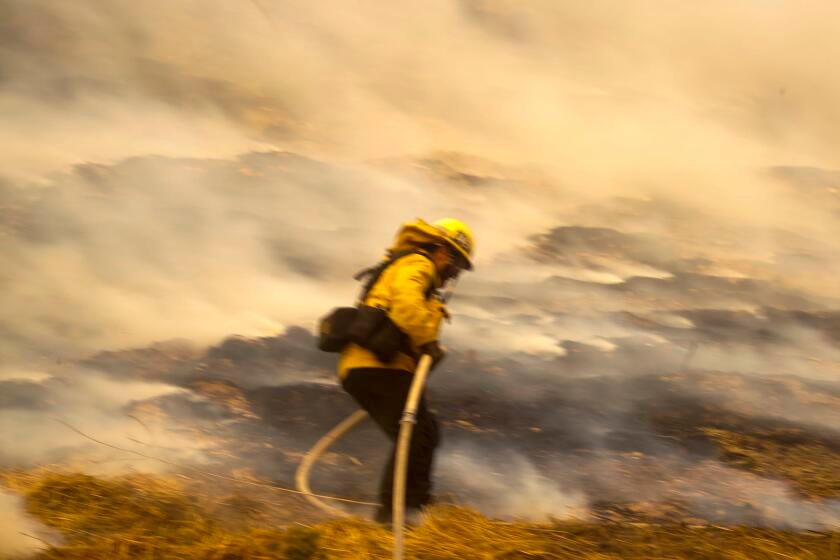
(312, 456)
(409, 418)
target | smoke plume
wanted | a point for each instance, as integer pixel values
(654, 191)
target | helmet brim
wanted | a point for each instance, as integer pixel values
(468, 265)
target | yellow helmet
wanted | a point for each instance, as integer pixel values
(459, 236)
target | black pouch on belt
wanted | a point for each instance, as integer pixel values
(387, 341)
(368, 326)
(368, 320)
(333, 330)
(374, 330)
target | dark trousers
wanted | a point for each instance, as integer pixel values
(382, 393)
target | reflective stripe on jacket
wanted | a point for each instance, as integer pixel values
(402, 291)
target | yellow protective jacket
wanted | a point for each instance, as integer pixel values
(401, 290)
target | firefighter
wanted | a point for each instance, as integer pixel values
(422, 259)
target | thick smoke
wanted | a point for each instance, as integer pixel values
(509, 489)
(583, 105)
(653, 190)
(633, 100)
(42, 419)
(515, 488)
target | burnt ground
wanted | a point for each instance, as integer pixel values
(687, 445)
(659, 441)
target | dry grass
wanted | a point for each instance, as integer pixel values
(158, 518)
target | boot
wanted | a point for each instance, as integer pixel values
(413, 516)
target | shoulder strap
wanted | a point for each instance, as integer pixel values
(373, 273)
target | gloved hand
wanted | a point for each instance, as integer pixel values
(435, 350)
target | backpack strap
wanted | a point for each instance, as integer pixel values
(373, 273)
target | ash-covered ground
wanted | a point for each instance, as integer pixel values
(682, 445)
